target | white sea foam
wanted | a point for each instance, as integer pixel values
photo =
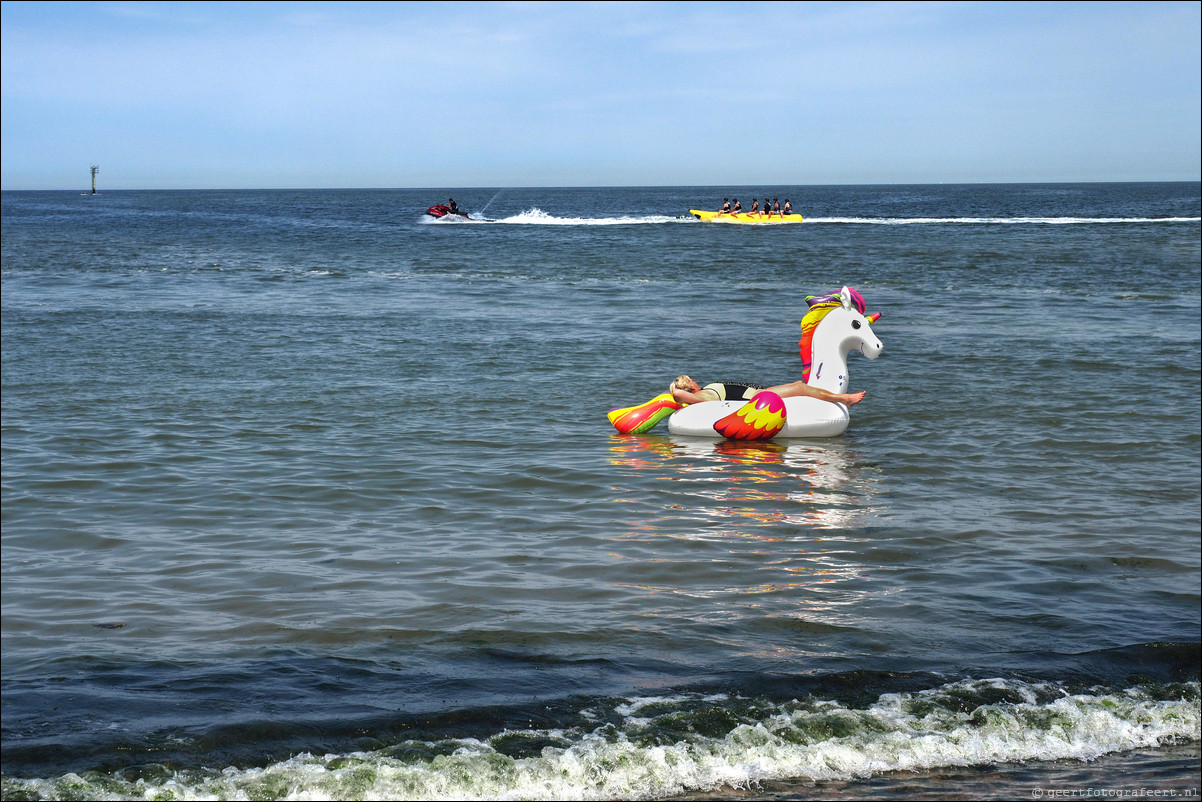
(815, 741)
(537, 217)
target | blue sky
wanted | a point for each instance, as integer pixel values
(461, 94)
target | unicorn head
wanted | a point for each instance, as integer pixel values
(834, 326)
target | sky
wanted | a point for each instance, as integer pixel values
(238, 95)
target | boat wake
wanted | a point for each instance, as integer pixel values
(537, 217)
(903, 221)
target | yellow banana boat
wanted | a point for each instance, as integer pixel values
(743, 217)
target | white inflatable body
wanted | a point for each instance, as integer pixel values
(805, 417)
(838, 332)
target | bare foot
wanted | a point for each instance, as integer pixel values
(853, 398)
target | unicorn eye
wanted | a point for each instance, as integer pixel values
(855, 324)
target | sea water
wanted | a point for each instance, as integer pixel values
(307, 494)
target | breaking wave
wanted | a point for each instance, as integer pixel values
(660, 746)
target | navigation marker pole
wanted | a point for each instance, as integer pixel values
(95, 169)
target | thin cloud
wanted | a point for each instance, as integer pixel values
(412, 94)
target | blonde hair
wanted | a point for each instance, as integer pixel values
(681, 382)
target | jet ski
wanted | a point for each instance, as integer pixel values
(442, 210)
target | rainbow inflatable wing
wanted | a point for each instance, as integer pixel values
(643, 417)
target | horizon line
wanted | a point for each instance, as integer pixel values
(731, 187)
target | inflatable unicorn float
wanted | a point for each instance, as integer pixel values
(834, 326)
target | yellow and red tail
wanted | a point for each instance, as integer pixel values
(643, 417)
(759, 419)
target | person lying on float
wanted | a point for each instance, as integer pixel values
(685, 390)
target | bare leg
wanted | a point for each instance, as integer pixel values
(801, 388)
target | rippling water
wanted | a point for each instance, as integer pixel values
(305, 493)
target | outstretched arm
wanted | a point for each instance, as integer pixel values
(688, 397)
